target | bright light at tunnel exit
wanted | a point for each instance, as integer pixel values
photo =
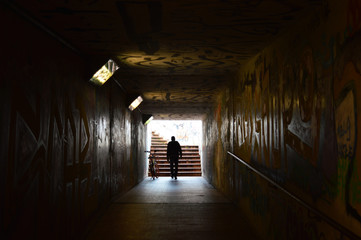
(186, 132)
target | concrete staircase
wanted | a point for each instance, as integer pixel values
(189, 164)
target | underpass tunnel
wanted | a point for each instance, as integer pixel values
(275, 84)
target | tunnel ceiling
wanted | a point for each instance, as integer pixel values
(177, 53)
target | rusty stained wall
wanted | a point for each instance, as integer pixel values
(67, 147)
(292, 113)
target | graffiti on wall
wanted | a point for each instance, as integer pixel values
(251, 188)
(26, 154)
(345, 92)
(49, 163)
(301, 129)
(295, 119)
(353, 17)
(283, 121)
(298, 112)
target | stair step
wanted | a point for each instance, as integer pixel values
(180, 164)
(199, 173)
(189, 169)
(185, 174)
(164, 151)
(189, 157)
(183, 153)
(164, 144)
(181, 167)
(183, 146)
(182, 160)
(183, 157)
(165, 148)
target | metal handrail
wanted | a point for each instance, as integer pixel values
(326, 218)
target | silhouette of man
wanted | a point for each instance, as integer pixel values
(174, 152)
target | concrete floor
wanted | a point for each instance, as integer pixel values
(187, 208)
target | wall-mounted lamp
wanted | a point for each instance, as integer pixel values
(104, 73)
(135, 103)
(147, 118)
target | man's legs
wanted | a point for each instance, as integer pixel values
(171, 168)
(176, 169)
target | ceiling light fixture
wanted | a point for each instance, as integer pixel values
(135, 103)
(147, 118)
(104, 73)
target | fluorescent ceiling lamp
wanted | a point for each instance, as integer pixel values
(104, 73)
(150, 119)
(135, 103)
(147, 118)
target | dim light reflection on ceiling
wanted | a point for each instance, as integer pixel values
(161, 59)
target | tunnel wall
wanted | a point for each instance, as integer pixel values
(291, 112)
(67, 147)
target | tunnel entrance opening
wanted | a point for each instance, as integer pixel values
(188, 133)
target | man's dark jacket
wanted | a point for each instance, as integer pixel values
(174, 150)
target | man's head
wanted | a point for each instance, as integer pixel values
(173, 138)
